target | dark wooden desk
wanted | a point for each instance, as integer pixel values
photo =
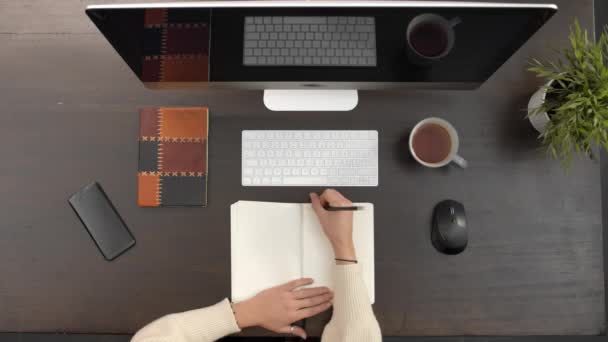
(533, 266)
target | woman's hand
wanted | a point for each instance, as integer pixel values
(277, 308)
(337, 225)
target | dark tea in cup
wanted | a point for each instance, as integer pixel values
(429, 39)
(432, 143)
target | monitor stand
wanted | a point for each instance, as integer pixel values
(310, 99)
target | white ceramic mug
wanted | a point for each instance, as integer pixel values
(454, 143)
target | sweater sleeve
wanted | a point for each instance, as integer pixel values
(353, 319)
(201, 325)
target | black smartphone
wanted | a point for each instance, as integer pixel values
(102, 221)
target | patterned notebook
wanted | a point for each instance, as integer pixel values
(173, 157)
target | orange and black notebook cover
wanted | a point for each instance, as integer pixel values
(172, 167)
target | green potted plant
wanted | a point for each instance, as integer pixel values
(571, 110)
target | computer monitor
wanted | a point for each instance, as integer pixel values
(315, 55)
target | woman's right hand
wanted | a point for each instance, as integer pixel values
(337, 225)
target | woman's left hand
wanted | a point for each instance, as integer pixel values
(277, 308)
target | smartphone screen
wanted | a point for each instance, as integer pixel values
(102, 221)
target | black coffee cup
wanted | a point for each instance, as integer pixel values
(429, 38)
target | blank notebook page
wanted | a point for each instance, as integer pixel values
(265, 245)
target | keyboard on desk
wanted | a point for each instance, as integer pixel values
(309, 158)
(310, 41)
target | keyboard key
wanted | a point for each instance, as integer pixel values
(304, 180)
(305, 20)
(250, 60)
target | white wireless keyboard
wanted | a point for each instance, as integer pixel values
(309, 158)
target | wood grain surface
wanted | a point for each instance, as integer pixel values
(69, 116)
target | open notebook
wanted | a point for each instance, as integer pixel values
(273, 243)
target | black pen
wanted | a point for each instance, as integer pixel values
(349, 208)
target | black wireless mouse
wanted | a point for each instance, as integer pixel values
(449, 231)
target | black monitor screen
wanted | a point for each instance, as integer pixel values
(413, 45)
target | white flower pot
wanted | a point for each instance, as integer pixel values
(540, 120)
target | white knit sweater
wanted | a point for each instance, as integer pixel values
(353, 319)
